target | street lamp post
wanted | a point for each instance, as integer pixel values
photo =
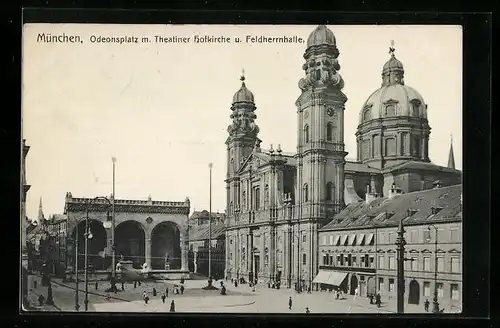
(401, 242)
(435, 303)
(113, 253)
(77, 305)
(210, 165)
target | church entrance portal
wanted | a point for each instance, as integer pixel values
(165, 247)
(414, 296)
(130, 243)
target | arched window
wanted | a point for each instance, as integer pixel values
(329, 131)
(318, 74)
(390, 147)
(306, 133)
(390, 110)
(415, 104)
(232, 164)
(306, 193)
(367, 115)
(266, 194)
(304, 259)
(330, 191)
(244, 196)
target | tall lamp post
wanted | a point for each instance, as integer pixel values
(88, 235)
(435, 303)
(210, 165)
(113, 253)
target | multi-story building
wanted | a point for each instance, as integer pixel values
(199, 218)
(276, 201)
(198, 250)
(24, 226)
(358, 251)
(57, 227)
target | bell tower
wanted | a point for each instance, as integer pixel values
(320, 144)
(241, 141)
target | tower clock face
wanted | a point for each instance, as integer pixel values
(330, 111)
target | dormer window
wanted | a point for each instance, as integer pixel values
(415, 104)
(390, 110)
(367, 114)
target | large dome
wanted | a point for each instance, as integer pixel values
(243, 94)
(321, 35)
(393, 100)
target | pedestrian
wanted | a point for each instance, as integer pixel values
(154, 291)
(371, 298)
(96, 285)
(166, 291)
(123, 286)
(108, 297)
(139, 282)
(41, 300)
(290, 303)
(163, 297)
(355, 293)
(307, 310)
(182, 289)
(378, 300)
(172, 306)
(309, 289)
(135, 284)
(426, 305)
(146, 298)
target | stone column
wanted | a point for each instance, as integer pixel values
(184, 250)
(147, 251)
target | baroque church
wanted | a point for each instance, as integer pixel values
(277, 201)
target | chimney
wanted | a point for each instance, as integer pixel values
(394, 191)
(370, 194)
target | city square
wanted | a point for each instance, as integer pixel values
(235, 226)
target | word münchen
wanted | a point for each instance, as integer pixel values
(59, 38)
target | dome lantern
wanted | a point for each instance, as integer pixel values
(393, 70)
(243, 95)
(320, 36)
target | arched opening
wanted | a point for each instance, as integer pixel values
(371, 288)
(329, 131)
(354, 284)
(96, 245)
(306, 133)
(130, 243)
(414, 295)
(306, 193)
(165, 247)
(329, 191)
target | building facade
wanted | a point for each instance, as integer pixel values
(199, 242)
(148, 232)
(200, 218)
(358, 247)
(24, 190)
(276, 201)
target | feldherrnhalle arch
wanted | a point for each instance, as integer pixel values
(146, 231)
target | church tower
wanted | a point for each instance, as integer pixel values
(320, 145)
(241, 141)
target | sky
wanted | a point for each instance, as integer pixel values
(162, 109)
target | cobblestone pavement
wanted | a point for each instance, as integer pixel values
(239, 299)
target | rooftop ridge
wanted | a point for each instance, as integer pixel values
(82, 200)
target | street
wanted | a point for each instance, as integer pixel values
(239, 299)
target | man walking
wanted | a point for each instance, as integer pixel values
(426, 305)
(163, 297)
(172, 306)
(290, 303)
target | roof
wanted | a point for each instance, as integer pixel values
(265, 158)
(388, 212)
(201, 233)
(204, 214)
(359, 167)
(417, 165)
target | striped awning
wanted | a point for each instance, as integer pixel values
(322, 277)
(352, 239)
(369, 239)
(337, 238)
(336, 278)
(344, 238)
(361, 239)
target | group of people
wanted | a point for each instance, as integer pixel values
(164, 295)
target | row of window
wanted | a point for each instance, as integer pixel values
(371, 148)
(427, 291)
(331, 133)
(392, 110)
(413, 263)
(422, 235)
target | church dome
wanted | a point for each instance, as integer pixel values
(243, 94)
(321, 35)
(393, 100)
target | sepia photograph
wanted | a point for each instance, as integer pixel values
(291, 169)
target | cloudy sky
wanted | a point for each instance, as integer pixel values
(163, 109)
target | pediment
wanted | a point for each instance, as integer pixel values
(255, 160)
(413, 251)
(454, 251)
(440, 251)
(426, 251)
(380, 251)
(391, 251)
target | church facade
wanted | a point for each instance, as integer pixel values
(277, 201)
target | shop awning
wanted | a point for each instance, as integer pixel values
(322, 277)
(344, 238)
(361, 239)
(369, 239)
(352, 239)
(336, 278)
